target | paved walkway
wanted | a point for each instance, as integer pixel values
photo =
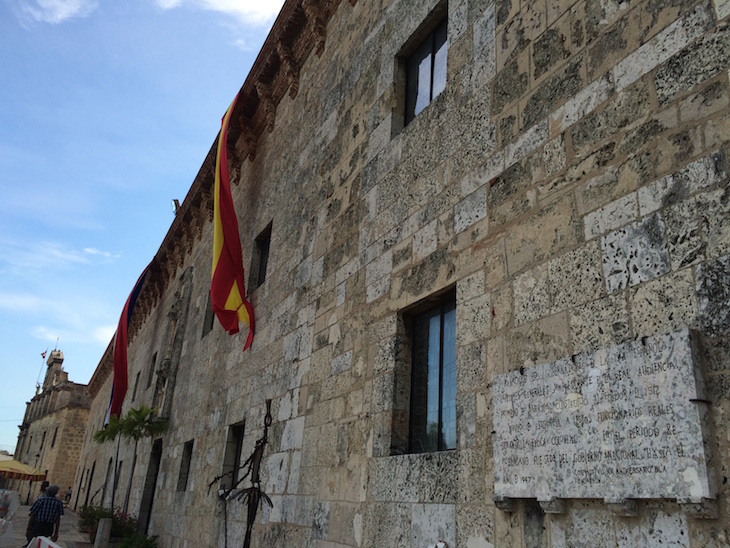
(69, 535)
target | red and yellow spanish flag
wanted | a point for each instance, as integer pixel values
(227, 287)
(119, 384)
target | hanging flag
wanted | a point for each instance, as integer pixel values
(43, 355)
(119, 385)
(227, 288)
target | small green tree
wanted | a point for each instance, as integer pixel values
(135, 425)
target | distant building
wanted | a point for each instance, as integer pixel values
(53, 428)
(488, 251)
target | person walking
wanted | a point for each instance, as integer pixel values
(45, 516)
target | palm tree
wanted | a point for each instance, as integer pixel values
(135, 425)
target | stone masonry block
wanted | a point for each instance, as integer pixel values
(484, 67)
(696, 176)
(341, 363)
(531, 295)
(696, 64)
(438, 481)
(511, 82)
(600, 323)
(528, 23)
(471, 372)
(320, 521)
(554, 156)
(382, 393)
(379, 268)
(502, 307)
(663, 46)
(713, 293)
(581, 104)
(377, 289)
(575, 277)
(380, 137)
(664, 304)
(431, 523)
(470, 210)
(613, 215)
(386, 524)
(277, 469)
(543, 235)
(714, 210)
(381, 483)
(684, 241)
(475, 526)
(635, 254)
(706, 102)
(527, 143)
(458, 19)
(425, 241)
(722, 9)
(544, 340)
(407, 477)
(293, 435)
(473, 310)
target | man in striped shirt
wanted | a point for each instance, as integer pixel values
(45, 516)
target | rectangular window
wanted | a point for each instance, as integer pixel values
(119, 474)
(55, 434)
(232, 456)
(432, 417)
(209, 319)
(136, 383)
(151, 373)
(260, 258)
(426, 72)
(182, 479)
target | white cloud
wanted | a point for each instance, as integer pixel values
(20, 302)
(250, 12)
(105, 254)
(104, 333)
(56, 11)
(45, 256)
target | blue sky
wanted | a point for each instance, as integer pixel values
(107, 111)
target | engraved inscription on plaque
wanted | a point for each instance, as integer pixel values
(623, 422)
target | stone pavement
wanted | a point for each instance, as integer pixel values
(69, 535)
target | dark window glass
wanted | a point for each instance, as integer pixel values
(260, 259)
(433, 380)
(426, 72)
(209, 318)
(232, 456)
(182, 480)
(136, 384)
(53, 441)
(151, 373)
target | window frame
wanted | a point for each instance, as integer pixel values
(260, 258)
(185, 462)
(232, 455)
(209, 319)
(435, 48)
(402, 440)
(444, 311)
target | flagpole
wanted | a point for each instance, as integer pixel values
(43, 361)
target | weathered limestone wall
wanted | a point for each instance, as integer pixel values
(571, 183)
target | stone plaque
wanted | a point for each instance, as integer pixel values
(620, 423)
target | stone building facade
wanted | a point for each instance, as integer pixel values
(53, 429)
(552, 191)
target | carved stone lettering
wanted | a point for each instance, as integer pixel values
(620, 423)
